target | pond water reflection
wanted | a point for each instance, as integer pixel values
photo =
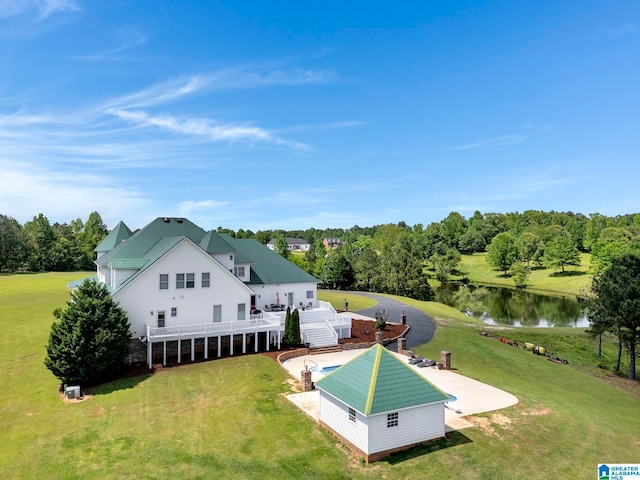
(506, 306)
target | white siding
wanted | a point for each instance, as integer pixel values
(121, 275)
(226, 259)
(335, 414)
(415, 425)
(142, 299)
(267, 293)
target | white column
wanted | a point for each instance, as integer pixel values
(164, 353)
(256, 342)
(244, 343)
(206, 348)
(231, 345)
(193, 343)
(219, 347)
(150, 353)
(179, 349)
(268, 339)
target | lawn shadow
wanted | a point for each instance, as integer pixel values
(569, 273)
(451, 439)
(120, 384)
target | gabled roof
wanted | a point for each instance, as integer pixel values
(119, 233)
(376, 381)
(267, 266)
(138, 245)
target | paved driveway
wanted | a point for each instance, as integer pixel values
(422, 326)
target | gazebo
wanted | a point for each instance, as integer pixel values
(377, 405)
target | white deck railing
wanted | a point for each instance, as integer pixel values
(255, 323)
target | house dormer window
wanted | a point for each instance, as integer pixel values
(239, 271)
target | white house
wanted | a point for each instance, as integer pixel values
(378, 405)
(293, 243)
(187, 289)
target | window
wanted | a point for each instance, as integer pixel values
(239, 271)
(161, 319)
(352, 414)
(392, 419)
(206, 279)
(190, 280)
(164, 281)
(241, 311)
(309, 293)
(231, 258)
(217, 313)
(174, 311)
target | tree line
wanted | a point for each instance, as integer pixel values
(39, 246)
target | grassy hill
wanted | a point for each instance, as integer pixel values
(542, 280)
(228, 418)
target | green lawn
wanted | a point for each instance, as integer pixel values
(228, 418)
(356, 302)
(544, 280)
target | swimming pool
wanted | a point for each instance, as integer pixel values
(328, 369)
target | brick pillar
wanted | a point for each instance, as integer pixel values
(379, 336)
(402, 345)
(445, 359)
(306, 381)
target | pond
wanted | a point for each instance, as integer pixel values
(506, 306)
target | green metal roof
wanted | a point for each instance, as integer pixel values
(376, 381)
(118, 234)
(214, 243)
(139, 244)
(267, 266)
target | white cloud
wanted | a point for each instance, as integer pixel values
(494, 141)
(63, 195)
(40, 9)
(203, 127)
(129, 36)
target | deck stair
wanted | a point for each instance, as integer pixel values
(317, 334)
(329, 349)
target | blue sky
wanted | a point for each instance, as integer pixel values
(263, 115)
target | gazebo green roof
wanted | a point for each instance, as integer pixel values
(377, 381)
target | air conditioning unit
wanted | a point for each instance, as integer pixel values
(72, 391)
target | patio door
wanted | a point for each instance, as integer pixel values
(290, 299)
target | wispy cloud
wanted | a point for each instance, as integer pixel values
(629, 28)
(494, 141)
(237, 78)
(37, 9)
(129, 37)
(323, 126)
(216, 132)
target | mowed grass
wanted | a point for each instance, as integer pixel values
(356, 302)
(228, 418)
(575, 279)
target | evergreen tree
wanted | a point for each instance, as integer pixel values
(295, 328)
(91, 340)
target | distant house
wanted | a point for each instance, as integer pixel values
(378, 405)
(292, 244)
(331, 243)
(180, 284)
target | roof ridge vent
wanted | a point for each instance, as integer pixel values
(179, 220)
(166, 220)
